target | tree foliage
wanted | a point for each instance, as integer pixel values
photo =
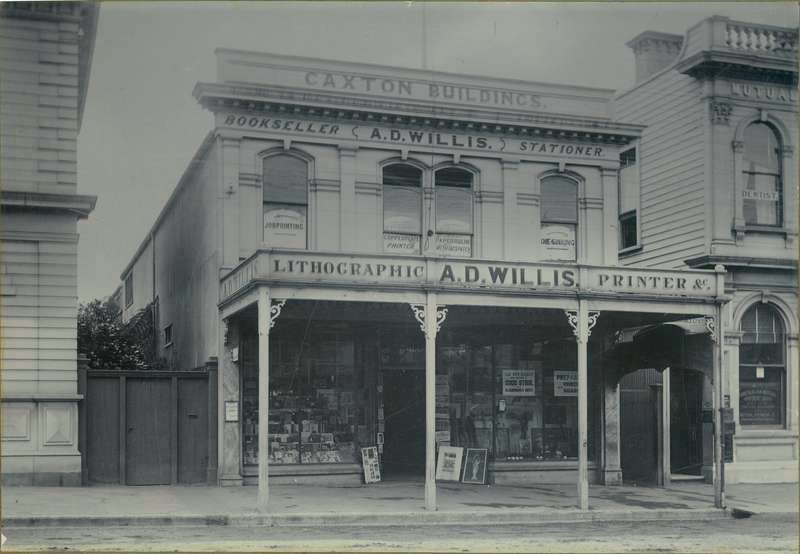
(110, 344)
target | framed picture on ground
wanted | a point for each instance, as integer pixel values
(475, 463)
(448, 467)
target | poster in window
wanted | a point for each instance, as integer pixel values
(760, 403)
(448, 466)
(285, 226)
(398, 243)
(565, 383)
(475, 463)
(442, 408)
(453, 246)
(558, 242)
(371, 464)
(519, 382)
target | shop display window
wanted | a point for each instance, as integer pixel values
(316, 411)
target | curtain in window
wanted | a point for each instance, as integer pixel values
(762, 371)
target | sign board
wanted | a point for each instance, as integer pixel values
(475, 465)
(448, 467)
(442, 408)
(371, 464)
(767, 195)
(454, 246)
(519, 382)
(759, 403)
(285, 226)
(565, 383)
(231, 410)
(458, 274)
(398, 243)
(558, 242)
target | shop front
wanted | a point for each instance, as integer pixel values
(519, 368)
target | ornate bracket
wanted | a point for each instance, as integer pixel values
(572, 319)
(419, 315)
(275, 311)
(711, 326)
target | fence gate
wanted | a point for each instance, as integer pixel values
(148, 427)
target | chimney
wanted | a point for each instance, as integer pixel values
(654, 51)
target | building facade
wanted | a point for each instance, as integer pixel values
(713, 180)
(46, 50)
(408, 259)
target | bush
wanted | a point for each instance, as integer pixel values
(110, 344)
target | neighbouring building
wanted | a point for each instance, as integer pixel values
(46, 52)
(558, 275)
(713, 180)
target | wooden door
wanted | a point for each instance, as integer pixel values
(148, 433)
(102, 429)
(192, 430)
(639, 429)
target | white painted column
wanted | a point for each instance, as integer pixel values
(666, 432)
(263, 397)
(719, 462)
(430, 401)
(581, 323)
(583, 404)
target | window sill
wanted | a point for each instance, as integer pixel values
(748, 432)
(766, 229)
(630, 250)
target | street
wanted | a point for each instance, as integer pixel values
(756, 534)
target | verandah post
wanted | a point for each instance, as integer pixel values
(583, 338)
(263, 397)
(430, 401)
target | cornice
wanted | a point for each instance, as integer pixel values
(741, 261)
(81, 205)
(276, 100)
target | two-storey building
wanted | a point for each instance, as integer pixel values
(46, 51)
(403, 258)
(713, 180)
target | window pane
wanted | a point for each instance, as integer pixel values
(453, 177)
(762, 200)
(559, 199)
(453, 210)
(627, 226)
(402, 209)
(558, 242)
(628, 189)
(761, 396)
(285, 180)
(285, 225)
(402, 175)
(761, 148)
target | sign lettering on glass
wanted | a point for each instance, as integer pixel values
(558, 242)
(767, 196)
(759, 403)
(565, 383)
(456, 246)
(285, 227)
(519, 382)
(398, 243)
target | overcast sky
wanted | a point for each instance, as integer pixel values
(142, 126)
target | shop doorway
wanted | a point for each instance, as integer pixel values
(640, 407)
(404, 414)
(686, 422)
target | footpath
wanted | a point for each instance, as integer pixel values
(384, 504)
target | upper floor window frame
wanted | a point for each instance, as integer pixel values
(743, 176)
(283, 207)
(554, 220)
(629, 212)
(129, 290)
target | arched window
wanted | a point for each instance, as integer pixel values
(762, 194)
(285, 179)
(402, 208)
(762, 367)
(453, 212)
(559, 218)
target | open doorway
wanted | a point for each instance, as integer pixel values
(404, 413)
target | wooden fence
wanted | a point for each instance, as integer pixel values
(148, 427)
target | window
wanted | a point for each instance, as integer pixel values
(285, 180)
(402, 208)
(559, 218)
(129, 289)
(762, 370)
(453, 212)
(168, 335)
(628, 199)
(762, 193)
